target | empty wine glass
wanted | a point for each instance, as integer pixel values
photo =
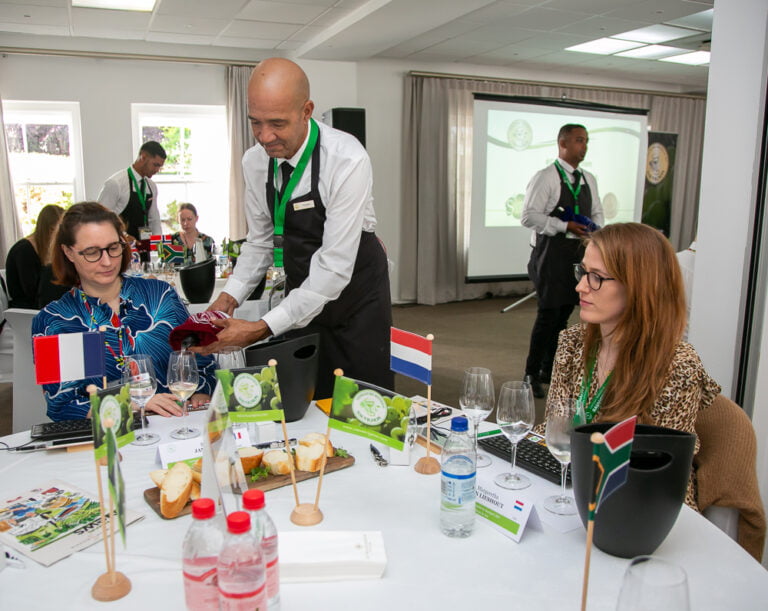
(515, 414)
(182, 381)
(653, 583)
(139, 374)
(560, 422)
(230, 357)
(476, 401)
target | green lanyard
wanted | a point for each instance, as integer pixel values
(281, 202)
(575, 192)
(591, 407)
(140, 194)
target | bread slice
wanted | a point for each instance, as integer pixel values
(197, 476)
(277, 461)
(309, 458)
(250, 457)
(194, 492)
(313, 438)
(157, 476)
(175, 490)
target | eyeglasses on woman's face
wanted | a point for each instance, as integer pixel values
(594, 280)
(94, 253)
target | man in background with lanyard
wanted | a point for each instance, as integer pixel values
(310, 215)
(133, 196)
(561, 206)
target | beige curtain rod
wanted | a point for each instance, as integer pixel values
(493, 79)
(134, 56)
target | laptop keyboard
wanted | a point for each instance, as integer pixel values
(532, 456)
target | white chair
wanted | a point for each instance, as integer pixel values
(28, 401)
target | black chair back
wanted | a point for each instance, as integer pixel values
(296, 370)
(198, 280)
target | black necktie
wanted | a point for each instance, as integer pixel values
(576, 179)
(285, 169)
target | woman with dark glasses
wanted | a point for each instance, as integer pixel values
(137, 314)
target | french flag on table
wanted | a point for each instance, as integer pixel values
(68, 357)
(411, 355)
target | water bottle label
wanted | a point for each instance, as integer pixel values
(458, 481)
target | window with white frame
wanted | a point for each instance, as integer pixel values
(197, 167)
(44, 154)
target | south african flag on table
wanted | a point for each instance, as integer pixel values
(611, 461)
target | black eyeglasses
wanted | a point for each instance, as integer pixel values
(594, 280)
(94, 253)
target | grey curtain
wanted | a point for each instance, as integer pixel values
(437, 174)
(10, 228)
(240, 139)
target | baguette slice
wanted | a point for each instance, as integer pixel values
(194, 493)
(277, 461)
(250, 457)
(313, 438)
(309, 458)
(197, 476)
(157, 476)
(175, 491)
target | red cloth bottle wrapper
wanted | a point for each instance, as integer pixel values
(198, 330)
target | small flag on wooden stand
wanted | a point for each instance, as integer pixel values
(610, 460)
(411, 355)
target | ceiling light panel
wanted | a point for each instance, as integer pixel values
(604, 46)
(117, 5)
(697, 58)
(699, 21)
(651, 52)
(656, 34)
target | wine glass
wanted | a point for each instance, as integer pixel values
(476, 401)
(653, 583)
(230, 357)
(139, 374)
(560, 422)
(515, 414)
(182, 381)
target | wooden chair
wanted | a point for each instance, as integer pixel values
(726, 474)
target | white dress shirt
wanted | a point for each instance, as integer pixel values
(543, 193)
(117, 191)
(345, 186)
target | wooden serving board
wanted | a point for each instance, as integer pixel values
(152, 495)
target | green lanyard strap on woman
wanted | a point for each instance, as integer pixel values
(592, 407)
(281, 202)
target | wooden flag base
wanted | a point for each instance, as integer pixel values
(306, 514)
(427, 465)
(111, 586)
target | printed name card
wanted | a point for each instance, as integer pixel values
(505, 510)
(186, 450)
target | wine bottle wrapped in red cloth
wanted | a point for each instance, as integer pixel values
(197, 330)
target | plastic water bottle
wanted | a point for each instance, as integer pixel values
(264, 528)
(241, 573)
(457, 481)
(200, 552)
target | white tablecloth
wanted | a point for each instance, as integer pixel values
(425, 570)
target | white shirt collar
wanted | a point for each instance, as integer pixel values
(566, 166)
(294, 161)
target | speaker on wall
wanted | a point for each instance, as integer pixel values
(350, 120)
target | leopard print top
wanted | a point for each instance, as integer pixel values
(687, 390)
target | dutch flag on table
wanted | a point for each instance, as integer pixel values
(611, 460)
(68, 357)
(411, 355)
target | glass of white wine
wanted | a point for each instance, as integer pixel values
(139, 374)
(561, 418)
(182, 381)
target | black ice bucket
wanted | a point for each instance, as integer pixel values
(198, 280)
(635, 519)
(296, 370)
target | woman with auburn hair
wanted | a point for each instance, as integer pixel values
(627, 357)
(90, 255)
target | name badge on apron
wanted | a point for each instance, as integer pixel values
(303, 205)
(145, 233)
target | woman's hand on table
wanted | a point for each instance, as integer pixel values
(165, 405)
(199, 399)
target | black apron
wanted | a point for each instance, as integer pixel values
(133, 215)
(354, 329)
(550, 267)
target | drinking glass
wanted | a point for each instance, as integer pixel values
(476, 401)
(230, 357)
(139, 374)
(182, 381)
(515, 414)
(560, 423)
(653, 583)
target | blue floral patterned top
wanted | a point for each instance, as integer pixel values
(149, 309)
